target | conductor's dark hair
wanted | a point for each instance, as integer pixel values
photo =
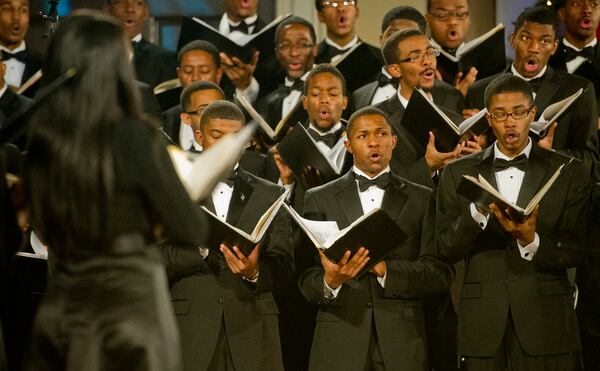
(224, 110)
(69, 170)
(295, 20)
(200, 45)
(390, 50)
(508, 83)
(319, 4)
(188, 91)
(324, 68)
(537, 14)
(366, 111)
(404, 12)
(430, 1)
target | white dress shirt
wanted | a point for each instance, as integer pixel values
(574, 64)
(370, 199)
(383, 93)
(346, 47)
(509, 183)
(236, 36)
(290, 101)
(14, 68)
(322, 146)
(539, 75)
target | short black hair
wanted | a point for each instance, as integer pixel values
(508, 83)
(319, 4)
(324, 68)
(537, 14)
(366, 111)
(222, 109)
(404, 12)
(429, 4)
(201, 45)
(390, 48)
(295, 20)
(188, 91)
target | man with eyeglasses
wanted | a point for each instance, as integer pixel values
(339, 16)
(449, 24)
(410, 57)
(534, 41)
(516, 304)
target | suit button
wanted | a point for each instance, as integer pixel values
(369, 305)
(220, 301)
(223, 268)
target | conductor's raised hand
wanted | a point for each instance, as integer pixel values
(246, 266)
(347, 268)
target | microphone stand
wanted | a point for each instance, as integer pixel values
(50, 19)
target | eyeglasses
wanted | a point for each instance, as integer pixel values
(418, 57)
(198, 110)
(338, 4)
(516, 115)
(444, 16)
(288, 47)
(579, 3)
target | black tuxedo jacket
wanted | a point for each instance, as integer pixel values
(270, 105)
(588, 69)
(208, 298)
(9, 103)
(150, 104)
(153, 64)
(577, 130)
(408, 158)
(344, 325)
(362, 73)
(172, 123)
(497, 280)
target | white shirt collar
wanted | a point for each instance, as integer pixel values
(436, 45)
(591, 43)
(333, 129)
(248, 21)
(288, 82)
(362, 173)
(386, 73)
(3, 90)
(19, 48)
(137, 38)
(516, 73)
(350, 44)
(499, 154)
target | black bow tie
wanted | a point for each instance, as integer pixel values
(20, 56)
(242, 27)
(535, 84)
(330, 139)
(520, 162)
(230, 181)
(383, 80)
(589, 52)
(380, 182)
(332, 51)
(297, 85)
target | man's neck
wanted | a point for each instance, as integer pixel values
(578, 42)
(12, 46)
(236, 18)
(341, 40)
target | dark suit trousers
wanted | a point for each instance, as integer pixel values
(511, 357)
(374, 360)
(221, 359)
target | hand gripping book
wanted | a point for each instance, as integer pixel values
(539, 128)
(422, 116)
(196, 29)
(278, 131)
(482, 194)
(299, 150)
(222, 232)
(486, 53)
(376, 231)
(200, 172)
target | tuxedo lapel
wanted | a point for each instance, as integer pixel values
(537, 174)
(208, 203)
(486, 166)
(395, 110)
(394, 198)
(348, 200)
(238, 205)
(546, 92)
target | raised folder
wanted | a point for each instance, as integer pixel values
(224, 233)
(422, 116)
(263, 41)
(376, 231)
(538, 129)
(299, 150)
(486, 53)
(482, 193)
(273, 131)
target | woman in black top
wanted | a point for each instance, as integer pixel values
(98, 179)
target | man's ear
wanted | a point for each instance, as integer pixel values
(347, 145)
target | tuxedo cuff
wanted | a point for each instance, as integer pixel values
(330, 293)
(381, 280)
(203, 252)
(529, 251)
(478, 217)
(251, 92)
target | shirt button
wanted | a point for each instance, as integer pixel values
(526, 254)
(220, 301)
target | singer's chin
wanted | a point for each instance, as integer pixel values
(426, 89)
